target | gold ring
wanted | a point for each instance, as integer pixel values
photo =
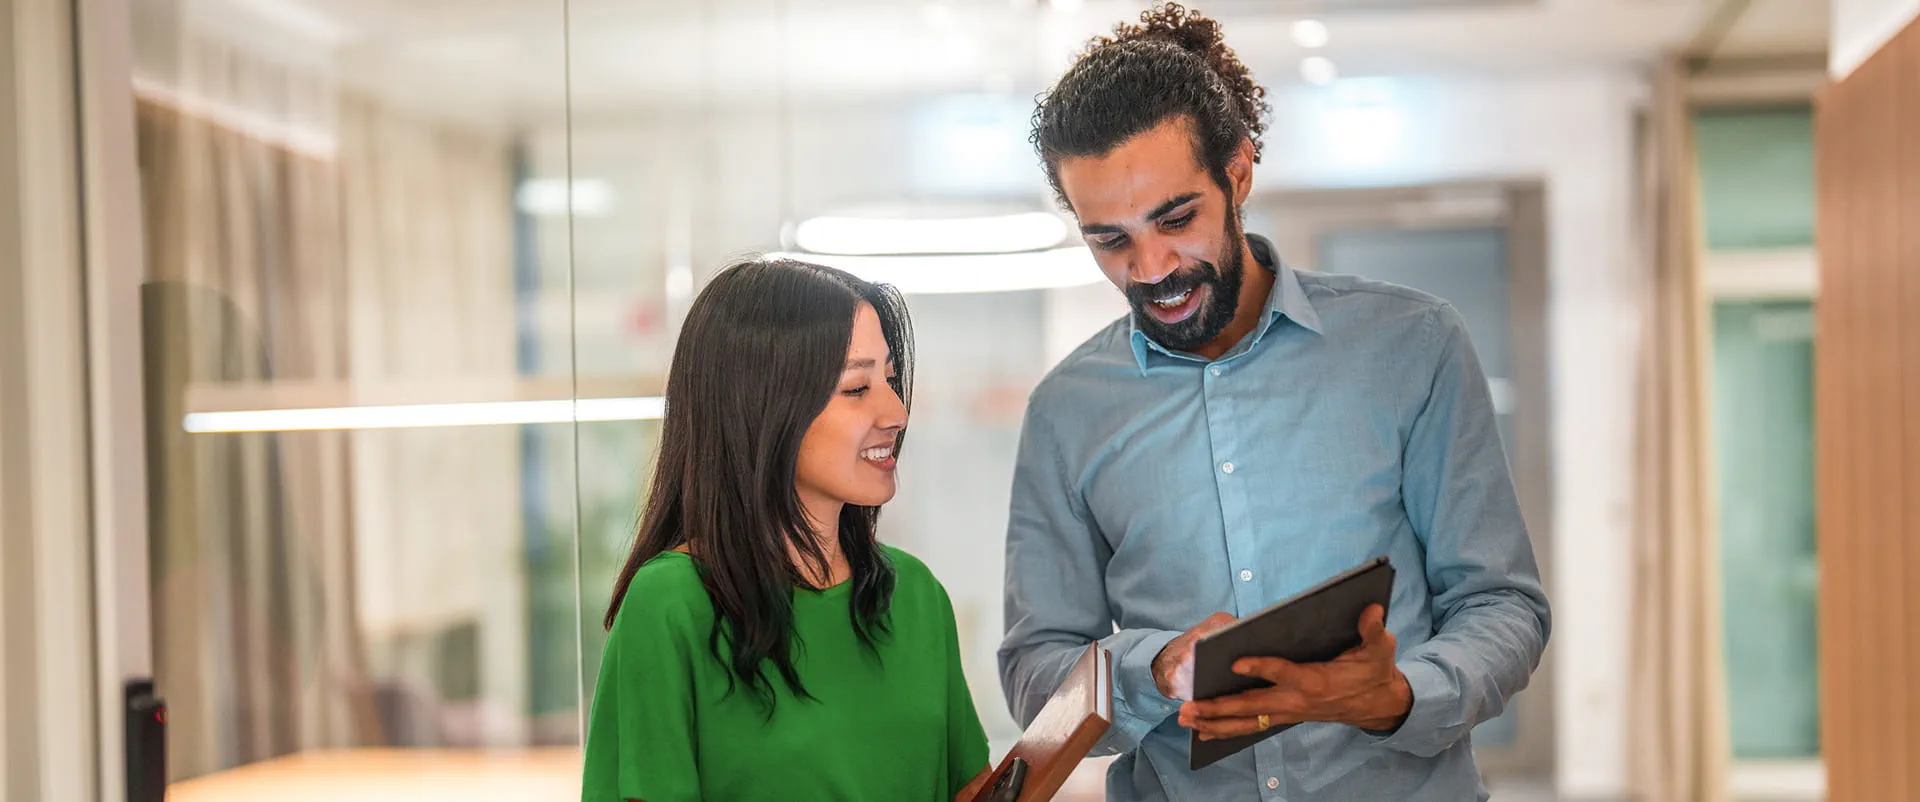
(1264, 723)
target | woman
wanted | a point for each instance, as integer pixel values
(762, 644)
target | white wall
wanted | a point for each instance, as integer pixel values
(1860, 27)
(1574, 131)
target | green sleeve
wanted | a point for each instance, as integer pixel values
(966, 740)
(647, 681)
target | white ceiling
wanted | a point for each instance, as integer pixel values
(1775, 28)
(511, 61)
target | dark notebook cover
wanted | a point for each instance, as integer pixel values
(1314, 626)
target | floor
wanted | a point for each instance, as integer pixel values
(395, 775)
(412, 775)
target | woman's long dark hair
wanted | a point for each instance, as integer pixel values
(759, 357)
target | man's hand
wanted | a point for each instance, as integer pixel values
(1173, 666)
(1362, 688)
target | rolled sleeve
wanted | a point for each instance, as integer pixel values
(1436, 707)
(1138, 704)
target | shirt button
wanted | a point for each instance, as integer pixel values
(1215, 370)
(1246, 575)
(1226, 467)
(1273, 783)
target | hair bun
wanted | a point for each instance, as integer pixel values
(1194, 33)
(1197, 34)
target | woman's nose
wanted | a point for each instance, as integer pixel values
(893, 415)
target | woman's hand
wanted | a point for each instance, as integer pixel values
(973, 788)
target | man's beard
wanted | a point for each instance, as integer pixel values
(1213, 316)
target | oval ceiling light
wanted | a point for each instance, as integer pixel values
(874, 236)
(967, 273)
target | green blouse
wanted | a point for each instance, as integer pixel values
(664, 728)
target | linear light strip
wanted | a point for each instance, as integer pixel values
(422, 416)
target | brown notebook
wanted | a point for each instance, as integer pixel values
(1061, 736)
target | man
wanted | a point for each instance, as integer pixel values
(1247, 432)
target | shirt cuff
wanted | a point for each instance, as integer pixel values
(1138, 704)
(1435, 702)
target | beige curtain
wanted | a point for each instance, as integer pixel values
(437, 511)
(345, 248)
(254, 641)
(1678, 734)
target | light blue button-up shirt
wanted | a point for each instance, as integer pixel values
(1155, 488)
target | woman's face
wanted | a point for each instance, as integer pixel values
(847, 455)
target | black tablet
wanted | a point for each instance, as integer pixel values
(1314, 626)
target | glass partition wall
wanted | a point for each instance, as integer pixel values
(365, 528)
(413, 273)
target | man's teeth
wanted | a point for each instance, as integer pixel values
(877, 454)
(1173, 300)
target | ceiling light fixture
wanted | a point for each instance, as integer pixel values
(968, 273)
(873, 236)
(1318, 70)
(414, 416)
(1310, 34)
(547, 197)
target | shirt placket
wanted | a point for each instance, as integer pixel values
(1232, 469)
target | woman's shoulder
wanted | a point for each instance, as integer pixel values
(665, 592)
(908, 568)
(904, 561)
(913, 579)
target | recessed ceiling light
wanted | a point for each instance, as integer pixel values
(1318, 70)
(1310, 33)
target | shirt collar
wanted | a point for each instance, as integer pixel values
(1287, 300)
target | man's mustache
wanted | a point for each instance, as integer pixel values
(1179, 281)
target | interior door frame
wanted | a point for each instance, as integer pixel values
(114, 246)
(1296, 219)
(49, 744)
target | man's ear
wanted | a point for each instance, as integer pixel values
(1240, 171)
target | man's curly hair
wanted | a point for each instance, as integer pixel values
(1173, 63)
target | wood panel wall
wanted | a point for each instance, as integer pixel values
(1867, 428)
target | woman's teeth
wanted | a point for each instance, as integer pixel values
(877, 454)
(1172, 301)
